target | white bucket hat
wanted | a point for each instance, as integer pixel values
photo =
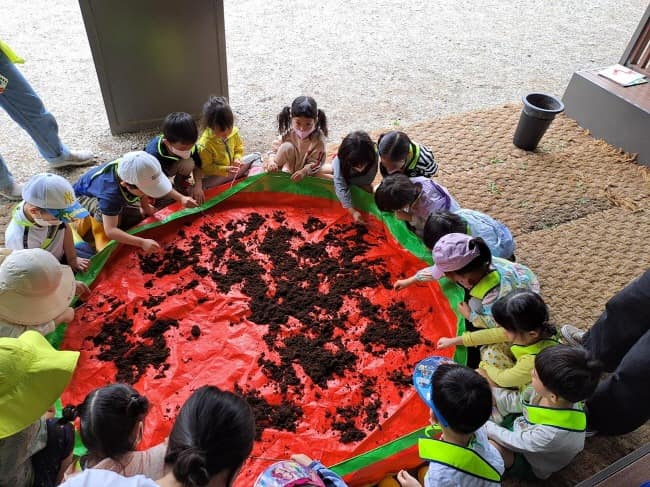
(143, 170)
(34, 287)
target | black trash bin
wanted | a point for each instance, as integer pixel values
(537, 114)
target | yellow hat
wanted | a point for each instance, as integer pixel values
(32, 376)
(34, 287)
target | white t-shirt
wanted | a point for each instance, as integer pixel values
(94, 477)
(19, 224)
(440, 475)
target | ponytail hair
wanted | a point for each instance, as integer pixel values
(440, 223)
(521, 311)
(395, 192)
(217, 114)
(213, 432)
(303, 106)
(108, 418)
(482, 261)
(569, 372)
(394, 146)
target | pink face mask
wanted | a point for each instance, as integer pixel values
(303, 134)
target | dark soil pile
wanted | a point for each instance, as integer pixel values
(133, 354)
(302, 291)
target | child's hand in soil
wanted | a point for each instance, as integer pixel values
(81, 289)
(356, 216)
(403, 283)
(446, 342)
(407, 480)
(188, 202)
(301, 459)
(149, 245)
(464, 310)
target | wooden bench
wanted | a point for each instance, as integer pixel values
(619, 115)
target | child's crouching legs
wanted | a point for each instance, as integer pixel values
(286, 158)
(507, 455)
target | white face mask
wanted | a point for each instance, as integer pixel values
(183, 154)
(46, 223)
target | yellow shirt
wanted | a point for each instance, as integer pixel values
(218, 154)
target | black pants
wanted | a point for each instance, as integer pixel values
(620, 338)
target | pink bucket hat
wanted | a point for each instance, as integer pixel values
(451, 253)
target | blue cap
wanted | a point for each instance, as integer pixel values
(422, 378)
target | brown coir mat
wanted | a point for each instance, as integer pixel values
(579, 211)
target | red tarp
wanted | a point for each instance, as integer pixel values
(229, 346)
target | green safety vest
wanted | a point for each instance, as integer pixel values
(415, 151)
(566, 419)
(52, 230)
(520, 350)
(488, 282)
(112, 166)
(457, 457)
(9, 52)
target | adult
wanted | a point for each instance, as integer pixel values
(620, 339)
(24, 106)
(211, 438)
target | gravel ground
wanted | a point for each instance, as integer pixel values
(368, 64)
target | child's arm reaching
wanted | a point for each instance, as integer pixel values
(75, 262)
(423, 275)
(516, 376)
(475, 338)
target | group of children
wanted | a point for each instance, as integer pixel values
(518, 411)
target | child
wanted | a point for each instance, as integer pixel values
(176, 149)
(300, 149)
(413, 199)
(399, 155)
(469, 263)
(356, 164)
(524, 322)
(117, 196)
(35, 292)
(221, 149)
(33, 450)
(496, 235)
(300, 470)
(551, 431)
(460, 401)
(210, 441)
(43, 219)
(111, 426)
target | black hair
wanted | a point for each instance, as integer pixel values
(523, 310)
(217, 113)
(303, 106)
(394, 145)
(462, 396)
(395, 192)
(569, 372)
(180, 127)
(213, 432)
(440, 223)
(108, 416)
(482, 261)
(357, 149)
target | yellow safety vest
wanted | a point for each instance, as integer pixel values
(521, 350)
(457, 457)
(488, 282)
(566, 419)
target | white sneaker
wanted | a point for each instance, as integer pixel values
(572, 335)
(75, 158)
(13, 192)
